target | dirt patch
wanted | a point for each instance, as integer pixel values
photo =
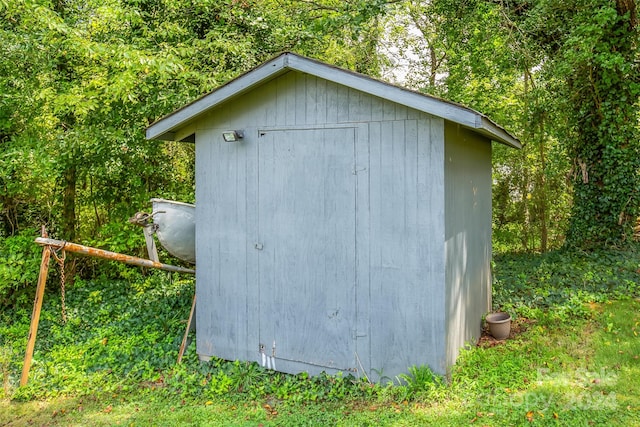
(518, 326)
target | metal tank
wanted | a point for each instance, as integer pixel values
(174, 224)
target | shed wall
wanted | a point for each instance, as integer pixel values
(468, 235)
(396, 319)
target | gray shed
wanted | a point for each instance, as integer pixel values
(348, 227)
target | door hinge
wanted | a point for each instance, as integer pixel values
(355, 334)
(357, 169)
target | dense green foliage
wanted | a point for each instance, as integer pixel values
(591, 57)
(80, 80)
(564, 77)
(561, 282)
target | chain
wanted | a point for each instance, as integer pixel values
(60, 260)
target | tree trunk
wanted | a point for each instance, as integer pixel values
(542, 183)
(628, 6)
(69, 204)
(606, 150)
(433, 65)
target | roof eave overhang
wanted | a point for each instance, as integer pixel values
(166, 128)
(496, 133)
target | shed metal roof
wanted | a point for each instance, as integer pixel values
(166, 127)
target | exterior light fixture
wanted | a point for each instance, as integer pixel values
(232, 135)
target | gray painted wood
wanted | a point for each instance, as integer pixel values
(327, 229)
(468, 235)
(221, 200)
(167, 127)
(407, 261)
(307, 247)
(360, 330)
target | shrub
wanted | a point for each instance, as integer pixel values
(19, 268)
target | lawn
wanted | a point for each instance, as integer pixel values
(572, 359)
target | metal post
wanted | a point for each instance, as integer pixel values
(191, 322)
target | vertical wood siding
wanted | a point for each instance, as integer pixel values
(362, 281)
(307, 246)
(468, 235)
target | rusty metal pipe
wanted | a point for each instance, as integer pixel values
(114, 256)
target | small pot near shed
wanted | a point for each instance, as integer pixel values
(499, 325)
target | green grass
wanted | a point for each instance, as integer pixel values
(573, 361)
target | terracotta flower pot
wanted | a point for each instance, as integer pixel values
(499, 325)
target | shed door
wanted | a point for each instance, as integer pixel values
(306, 244)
